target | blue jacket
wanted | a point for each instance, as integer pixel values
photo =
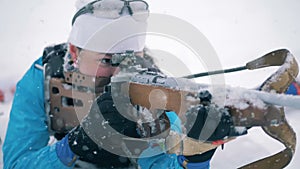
(26, 142)
(294, 89)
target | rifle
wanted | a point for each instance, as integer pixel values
(159, 93)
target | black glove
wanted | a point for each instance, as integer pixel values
(100, 133)
(207, 122)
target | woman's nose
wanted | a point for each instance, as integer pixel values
(116, 71)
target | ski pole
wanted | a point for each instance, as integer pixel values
(275, 58)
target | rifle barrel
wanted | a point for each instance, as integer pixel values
(215, 72)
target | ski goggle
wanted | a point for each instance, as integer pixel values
(113, 9)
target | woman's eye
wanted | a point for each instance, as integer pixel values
(106, 61)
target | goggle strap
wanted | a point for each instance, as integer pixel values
(89, 8)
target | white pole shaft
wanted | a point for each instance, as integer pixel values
(278, 99)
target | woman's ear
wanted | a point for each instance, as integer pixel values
(74, 51)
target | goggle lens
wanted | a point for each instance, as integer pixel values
(114, 9)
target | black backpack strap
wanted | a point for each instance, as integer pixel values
(53, 61)
(53, 57)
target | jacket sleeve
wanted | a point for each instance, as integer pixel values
(26, 142)
(155, 157)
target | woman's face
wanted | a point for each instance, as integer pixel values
(95, 64)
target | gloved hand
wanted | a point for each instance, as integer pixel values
(98, 139)
(207, 122)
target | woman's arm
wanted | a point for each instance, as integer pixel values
(26, 142)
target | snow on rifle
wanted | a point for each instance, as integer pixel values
(157, 92)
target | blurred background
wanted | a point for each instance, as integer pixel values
(239, 30)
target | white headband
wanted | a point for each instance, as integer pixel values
(108, 35)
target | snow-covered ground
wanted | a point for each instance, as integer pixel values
(254, 146)
(239, 31)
